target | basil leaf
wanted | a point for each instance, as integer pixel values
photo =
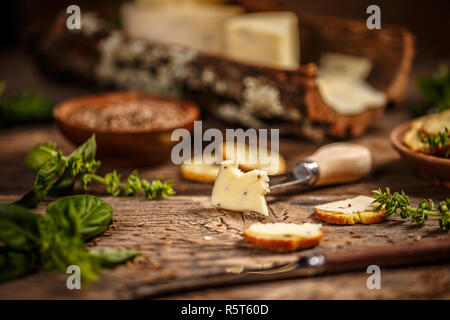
(87, 150)
(18, 227)
(109, 257)
(36, 158)
(93, 214)
(62, 245)
(44, 181)
(15, 263)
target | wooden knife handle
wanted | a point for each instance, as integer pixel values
(388, 256)
(341, 162)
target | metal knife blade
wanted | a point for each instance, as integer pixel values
(305, 172)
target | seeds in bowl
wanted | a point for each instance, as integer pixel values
(131, 115)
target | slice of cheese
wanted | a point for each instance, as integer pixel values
(192, 24)
(238, 191)
(349, 206)
(343, 87)
(264, 38)
(253, 158)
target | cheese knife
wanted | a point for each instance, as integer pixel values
(334, 163)
(405, 254)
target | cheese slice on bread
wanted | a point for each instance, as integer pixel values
(250, 158)
(238, 191)
(284, 236)
(360, 209)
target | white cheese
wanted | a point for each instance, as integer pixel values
(264, 38)
(343, 87)
(195, 25)
(304, 230)
(238, 191)
(354, 205)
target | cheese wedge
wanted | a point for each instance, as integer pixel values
(284, 236)
(238, 191)
(360, 209)
(253, 158)
(264, 38)
(189, 23)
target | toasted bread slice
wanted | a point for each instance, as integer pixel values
(251, 158)
(201, 170)
(360, 209)
(284, 236)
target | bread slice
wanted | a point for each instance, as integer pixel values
(284, 236)
(436, 123)
(200, 170)
(360, 209)
(251, 158)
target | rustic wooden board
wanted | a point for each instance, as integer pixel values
(171, 233)
(184, 236)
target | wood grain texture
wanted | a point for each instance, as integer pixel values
(184, 235)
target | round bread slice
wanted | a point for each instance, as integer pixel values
(284, 237)
(202, 171)
(360, 209)
(251, 158)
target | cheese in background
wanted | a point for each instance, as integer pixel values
(355, 205)
(343, 87)
(188, 23)
(264, 38)
(238, 191)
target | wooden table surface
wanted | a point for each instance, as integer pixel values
(184, 236)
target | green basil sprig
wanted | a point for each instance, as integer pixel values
(58, 175)
(30, 241)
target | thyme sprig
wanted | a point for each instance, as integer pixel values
(400, 203)
(439, 143)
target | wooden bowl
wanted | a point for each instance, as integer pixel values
(435, 168)
(127, 147)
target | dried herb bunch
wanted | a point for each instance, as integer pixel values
(400, 203)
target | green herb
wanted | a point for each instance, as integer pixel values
(438, 144)
(109, 257)
(59, 174)
(436, 89)
(36, 158)
(93, 214)
(24, 107)
(54, 241)
(400, 203)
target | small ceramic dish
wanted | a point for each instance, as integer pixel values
(435, 168)
(124, 147)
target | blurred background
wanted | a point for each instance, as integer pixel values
(428, 20)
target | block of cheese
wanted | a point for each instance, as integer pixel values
(250, 158)
(264, 38)
(238, 191)
(360, 209)
(343, 87)
(192, 24)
